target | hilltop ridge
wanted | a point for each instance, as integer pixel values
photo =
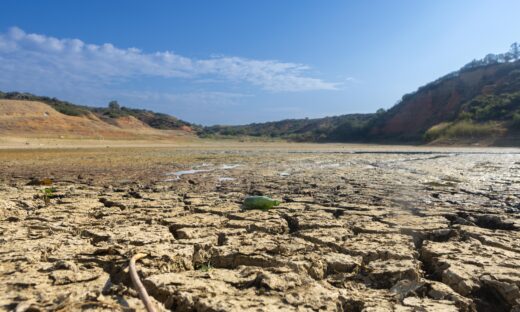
(114, 111)
(37, 119)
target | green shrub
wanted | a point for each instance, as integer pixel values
(491, 107)
(48, 194)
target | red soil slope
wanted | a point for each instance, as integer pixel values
(441, 101)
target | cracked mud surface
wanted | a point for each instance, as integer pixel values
(393, 231)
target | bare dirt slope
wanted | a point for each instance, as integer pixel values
(36, 119)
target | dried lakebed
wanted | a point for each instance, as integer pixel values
(355, 232)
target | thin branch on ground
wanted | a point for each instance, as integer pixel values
(143, 294)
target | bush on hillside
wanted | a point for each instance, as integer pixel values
(491, 107)
(463, 129)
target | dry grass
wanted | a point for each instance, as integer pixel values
(464, 129)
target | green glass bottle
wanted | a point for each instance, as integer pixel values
(260, 202)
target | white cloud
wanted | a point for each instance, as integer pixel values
(214, 99)
(39, 60)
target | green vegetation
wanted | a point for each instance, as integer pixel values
(48, 194)
(154, 120)
(114, 106)
(205, 267)
(298, 130)
(492, 107)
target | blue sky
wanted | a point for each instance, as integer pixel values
(235, 62)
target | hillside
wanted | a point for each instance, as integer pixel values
(310, 130)
(37, 119)
(107, 114)
(471, 104)
(480, 103)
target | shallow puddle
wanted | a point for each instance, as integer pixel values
(225, 179)
(180, 173)
(232, 166)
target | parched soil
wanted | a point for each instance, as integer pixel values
(365, 229)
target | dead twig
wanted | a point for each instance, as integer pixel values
(138, 285)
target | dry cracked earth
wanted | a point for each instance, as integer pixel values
(385, 231)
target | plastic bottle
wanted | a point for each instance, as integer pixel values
(260, 202)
